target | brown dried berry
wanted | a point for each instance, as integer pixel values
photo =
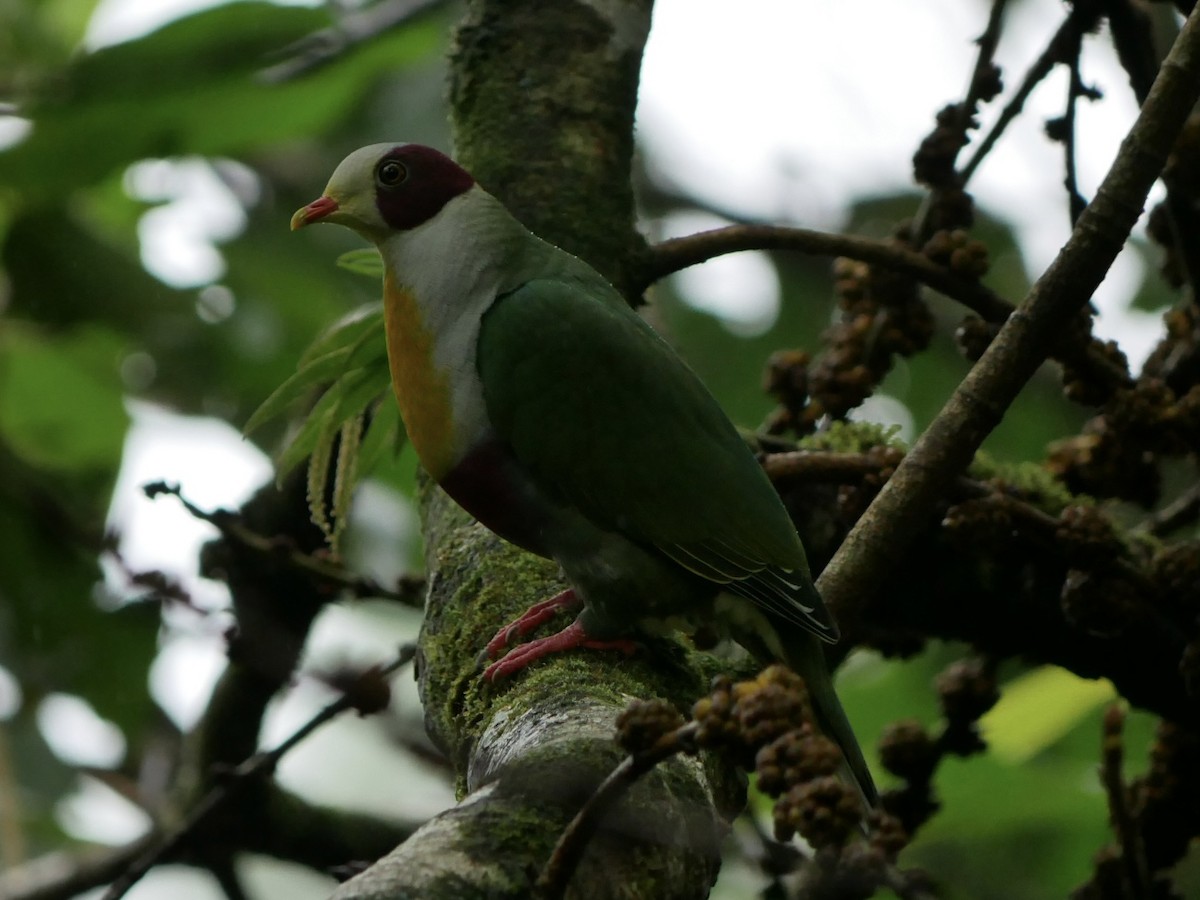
(797, 756)
(952, 208)
(973, 336)
(771, 705)
(907, 751)
(966, 690)
(1101, 463)
(786, 376)
(644, 723)
(714, 714)
(861, 869)
(990, 82)
(984, 519)
(367, 690)
(970, 260)
(933, 163)
(912, 805)
(1084, 381)
(1160, 230)
(941, 246)
(824, 812)
(1100, 605)
(1176, 573)
(886, 459)
(1086, 537)
(887, 833)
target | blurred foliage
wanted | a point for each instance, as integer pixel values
(84, 326)
(1006, 828)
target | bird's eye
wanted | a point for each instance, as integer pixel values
(390, 173)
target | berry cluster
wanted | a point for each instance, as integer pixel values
(743, 716)
(766, 723)
(1154, 818)
(966, 690)
(959, 252)
(644, 724)
(1182, 173)
(933, 163)
(1118, 452)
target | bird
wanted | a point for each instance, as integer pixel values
(547, 408)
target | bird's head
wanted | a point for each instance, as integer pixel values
(387, 188)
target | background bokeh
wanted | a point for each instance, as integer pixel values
(151, 297)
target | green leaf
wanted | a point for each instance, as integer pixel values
(193, 86)
(313, 373)
(385, 433)
(61, 403)
(371, 347)
(364, 261)
(348, 331)
(346, 397)
(354, 343)
(1039, 708)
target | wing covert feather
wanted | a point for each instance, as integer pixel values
(574, 381)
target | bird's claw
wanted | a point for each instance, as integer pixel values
(569, 638)
(532, 618)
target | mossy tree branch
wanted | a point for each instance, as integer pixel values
(529, 752)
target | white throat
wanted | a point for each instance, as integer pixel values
(454, 266)
(455, 263)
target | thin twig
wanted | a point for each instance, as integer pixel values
(61, 876)
(983, 76)
(1132, 34)
(1075, 90)
(1111, 764)
(819, 466)
(227, 878)
(323, 47)
(553, 881)
(883, 535)
(823, 466)
(230, 525)
(679, 253)
(904, 886)
(1183, 510)
(1041, 67)
(248, 772)
(775, 858)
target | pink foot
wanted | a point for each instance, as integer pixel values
(532, 618)
(568, 639)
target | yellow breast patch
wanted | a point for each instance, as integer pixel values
(422, 391)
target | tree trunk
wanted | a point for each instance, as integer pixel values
(543, 99)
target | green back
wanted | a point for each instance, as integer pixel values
(606, 417)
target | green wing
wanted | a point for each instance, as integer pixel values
(607, 418)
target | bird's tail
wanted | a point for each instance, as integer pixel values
(805, 654)
(773, 638)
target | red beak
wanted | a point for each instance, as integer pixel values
(314, 212)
